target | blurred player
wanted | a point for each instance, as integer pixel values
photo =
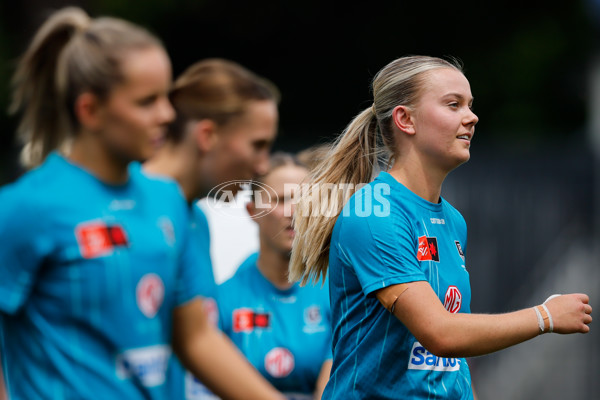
(395, 249)
(97, 273)
(283, 329)
(226, 123)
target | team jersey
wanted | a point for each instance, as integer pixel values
(89, 276)
(183, 384)
(387, 235)
(285, 334)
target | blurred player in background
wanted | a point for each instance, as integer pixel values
(283, 329)
(226, 123)
(395, 249)
(97, 273)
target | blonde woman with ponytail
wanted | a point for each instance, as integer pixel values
(394, 250)
(97, 276)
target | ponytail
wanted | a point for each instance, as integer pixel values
(35, 93)
(350, 161)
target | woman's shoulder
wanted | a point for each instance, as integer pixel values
(453, 213)
(153, 181)
(36, 186)
(245, 272)
(162, 190)
(317, 290)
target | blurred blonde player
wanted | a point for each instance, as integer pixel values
(226, 122)
(97, 270)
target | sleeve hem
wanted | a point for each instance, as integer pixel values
(395, 280)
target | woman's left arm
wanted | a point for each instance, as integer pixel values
(467, 335)
(322, 379)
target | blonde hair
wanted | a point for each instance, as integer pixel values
(70, 54)
(216, 89)
(353, 160)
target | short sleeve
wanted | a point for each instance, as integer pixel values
(381, 250)
(327, 312)
(189, 281)
(24, 246)
(223, 296)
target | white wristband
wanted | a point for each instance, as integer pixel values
(551, 297)
(540, 319)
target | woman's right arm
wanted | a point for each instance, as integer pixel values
(214, 359)
(467, 335)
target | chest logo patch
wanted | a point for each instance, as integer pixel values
(279, 362)
(150, 293)
(453, 299)
(428, 249)
(245, 320)
(98, 239)
(312, 315)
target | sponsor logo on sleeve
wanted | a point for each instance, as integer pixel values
(212, 310)
(421, 359)
(279, 362)
(195, 390)
(98, 239)
(166, 226)
(150, 292)
(147, 364)
(453, 299)
(297, 396)
(428, 249)
(245, 320)
(460, 250)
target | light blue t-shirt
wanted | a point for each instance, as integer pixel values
(89, 276)
(183, 384)
(387, 235)
(285, 334)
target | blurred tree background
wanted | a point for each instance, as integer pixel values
(527, 61)
(529, 193)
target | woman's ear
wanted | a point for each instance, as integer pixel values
(403, 119)
(88, 110)
(205, 134)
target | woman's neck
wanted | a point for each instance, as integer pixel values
(419, 179)
(177, 162)
(99, 163)
(274, 267)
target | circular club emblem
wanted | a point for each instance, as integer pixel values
(150, 293)
(312, 315)
(453, 299)
(279, 362)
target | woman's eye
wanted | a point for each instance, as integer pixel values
(147, 101)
